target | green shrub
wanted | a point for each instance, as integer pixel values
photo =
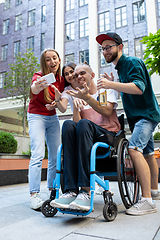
(29, 152)
(157, 136)
(8, 144)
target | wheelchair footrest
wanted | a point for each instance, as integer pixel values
(72, 210)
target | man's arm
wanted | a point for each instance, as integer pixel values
(108, 83)
(84, 94)
(76, 115)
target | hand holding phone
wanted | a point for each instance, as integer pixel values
(50, 78)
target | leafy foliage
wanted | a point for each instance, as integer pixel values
(18, 79)
(152, 52)
(157, 136)
(8, 144)
(29, 151)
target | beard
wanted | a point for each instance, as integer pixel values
(112, 57)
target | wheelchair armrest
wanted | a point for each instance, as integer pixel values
(118, 137)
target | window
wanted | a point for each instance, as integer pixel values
(18, 22)
(43, 16)
(159, 7)
(104, 22)
(31, 17)
(69, 58)
(138, 12)
(42, 41)
(84, 56)
(83, 2)
(69, 5)
(139, 48)
(125, 49)
(84, 27)
(18, 2)
(30, 44)
(70, 31)
(2, 79)
(4, 53)
(6, 26)
(121, 17)
(6, 4)
(17, 46)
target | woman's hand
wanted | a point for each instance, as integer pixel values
(51, 106)
(57, 93)
(38, 85)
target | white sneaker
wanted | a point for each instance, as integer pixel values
(36, 201)
(99, 191)
(64, 200)
(155, 196)
(142, 207)
(82, 201)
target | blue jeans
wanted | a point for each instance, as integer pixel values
(42, 127)
(142, 137)
(78, 139)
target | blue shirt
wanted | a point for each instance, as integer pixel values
(136, 107)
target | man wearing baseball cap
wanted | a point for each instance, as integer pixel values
(143, 114)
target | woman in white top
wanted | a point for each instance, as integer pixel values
(63, 99)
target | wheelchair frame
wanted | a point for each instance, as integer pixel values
(126, 176)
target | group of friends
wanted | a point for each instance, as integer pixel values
(77, 87)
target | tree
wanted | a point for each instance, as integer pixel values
(152, 52)
(18, 80)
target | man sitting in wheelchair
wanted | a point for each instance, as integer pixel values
(78, 137)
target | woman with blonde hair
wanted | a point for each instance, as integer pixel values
(43, 124)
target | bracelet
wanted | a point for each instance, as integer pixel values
(57, 100)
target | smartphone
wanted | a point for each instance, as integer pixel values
(50, 78)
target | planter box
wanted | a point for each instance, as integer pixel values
(14, 169)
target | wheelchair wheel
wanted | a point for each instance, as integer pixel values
(47, 209)
(127, 178)
(110, 211)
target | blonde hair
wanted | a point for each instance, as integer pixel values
(45, 70)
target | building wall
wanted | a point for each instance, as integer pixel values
(53, 23)
(46, 27)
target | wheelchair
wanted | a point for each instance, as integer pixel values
(111, 154)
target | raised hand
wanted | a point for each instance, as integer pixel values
(81, 93)
(57, 93)
(105, 81)
(38, 85)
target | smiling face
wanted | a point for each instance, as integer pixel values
(69, 74)
(52, 61)
(112, 53)
(83, 73)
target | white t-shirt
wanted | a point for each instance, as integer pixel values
(67, 96)
(111, 97)
(111, 122)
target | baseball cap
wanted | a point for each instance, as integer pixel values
(109, 36)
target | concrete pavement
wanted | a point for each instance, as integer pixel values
(19, 222)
